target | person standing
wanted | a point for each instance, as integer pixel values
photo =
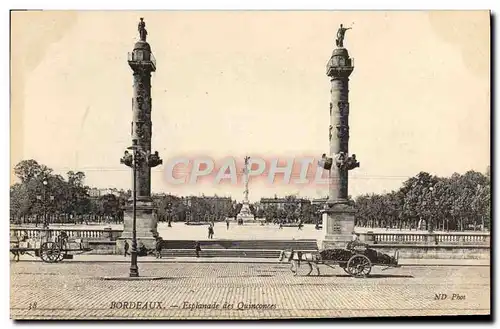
(125, 248)
(227, 224)
(197, 249)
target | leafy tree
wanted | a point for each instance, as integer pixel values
(29, 169)
(271, 212)
(291, 207)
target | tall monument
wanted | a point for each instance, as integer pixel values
(245, 213)
(142, 63)
(338, 212)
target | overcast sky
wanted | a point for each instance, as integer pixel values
(237, 83)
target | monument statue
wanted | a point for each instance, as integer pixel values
(340, 35)
(142, 30)
(245, 213)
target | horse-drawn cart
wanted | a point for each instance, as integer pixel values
(49, 248)
(357, 262)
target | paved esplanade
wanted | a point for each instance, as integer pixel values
(76, 290)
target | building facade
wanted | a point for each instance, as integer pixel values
(282, 202)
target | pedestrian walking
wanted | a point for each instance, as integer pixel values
(125, 248)
(300, 225)
(210, 232)
(197, 249)
(227, 224)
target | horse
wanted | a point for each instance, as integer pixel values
(295, 257)
(15, 242)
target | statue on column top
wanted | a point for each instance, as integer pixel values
(142, 30)
(340, 35)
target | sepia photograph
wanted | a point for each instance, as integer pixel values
(250, 165)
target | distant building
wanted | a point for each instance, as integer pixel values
(319, 201)
(281, 202)
(215, 200)
(158, 195)
(99, 192)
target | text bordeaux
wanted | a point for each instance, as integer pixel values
(136, 305)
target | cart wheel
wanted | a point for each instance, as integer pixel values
(61, 256)
(359, 266)
(15, 256)
(346, 269)
(50, 252)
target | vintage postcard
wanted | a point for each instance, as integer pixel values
(249, 164)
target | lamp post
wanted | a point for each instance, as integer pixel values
(43, 199)
(137, 158)
(479, 191)
(45, 223)
(432, 203)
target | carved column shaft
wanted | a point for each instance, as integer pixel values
(141, 127)
(339, 68)
(339, 142)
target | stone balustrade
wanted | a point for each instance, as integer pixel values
(73, 233)
(444, 239)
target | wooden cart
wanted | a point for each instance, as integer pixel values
(359, 262)
(50, 249)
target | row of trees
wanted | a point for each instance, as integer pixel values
(292, 210)
(174, 208)
(429, 202)
(458, 202)
(42, 196)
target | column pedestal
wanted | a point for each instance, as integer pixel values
(146, 225)
(245, 214)
(338, 225)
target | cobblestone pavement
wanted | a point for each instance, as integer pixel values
(79, 291)
(152, 259)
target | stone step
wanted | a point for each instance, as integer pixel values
(242, 253)
(243, 244)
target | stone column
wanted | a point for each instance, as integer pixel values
(141, 127)
(245, 213)
(339, 68)
(338, 212)
(142, 63)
